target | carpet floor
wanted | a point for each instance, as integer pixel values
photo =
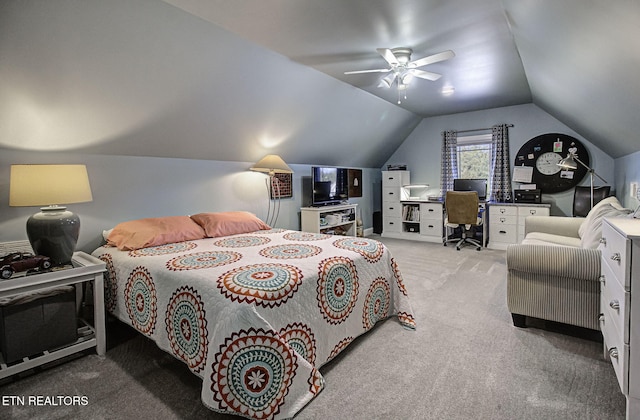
(465, 361)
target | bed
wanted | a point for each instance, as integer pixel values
(255, 314)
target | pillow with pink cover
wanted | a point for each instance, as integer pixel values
(229, 223)
(143, 233)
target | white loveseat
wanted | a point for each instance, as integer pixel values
(554, 273)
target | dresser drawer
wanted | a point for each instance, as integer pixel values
(503, 233)
(618, 352)
(524, 212)
(391, 194)
(431, 228)
(495, 211)
(431, 211)
(390, 209)
(614, 303)
(501, 219)
(395, 178)
(615, 250)
(391, 224)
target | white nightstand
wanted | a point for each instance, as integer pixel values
(86, 268)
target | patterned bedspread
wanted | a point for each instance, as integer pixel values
(256, 315)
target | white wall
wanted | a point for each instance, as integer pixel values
(421, 151)
(627, 171)
(126, 188)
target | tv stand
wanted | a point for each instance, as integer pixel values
(334, 220)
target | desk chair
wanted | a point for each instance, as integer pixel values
(462, 211)
(582, 199)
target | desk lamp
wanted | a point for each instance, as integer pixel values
(53, 231)
(571, 163)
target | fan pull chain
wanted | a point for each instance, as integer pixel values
(403, 89)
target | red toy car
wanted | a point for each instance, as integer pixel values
(22, 261)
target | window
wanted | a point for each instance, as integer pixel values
(474, 156)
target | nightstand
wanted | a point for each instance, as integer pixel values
(85, 268)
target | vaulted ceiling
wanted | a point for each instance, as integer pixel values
(577, 59)
(234, 80)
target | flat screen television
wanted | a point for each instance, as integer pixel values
(477, 185)
(330, 185)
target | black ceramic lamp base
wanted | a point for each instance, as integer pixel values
(53, 232)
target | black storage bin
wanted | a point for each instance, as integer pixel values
(33, 323)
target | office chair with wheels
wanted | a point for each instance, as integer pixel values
(462, 211)
(582, 199)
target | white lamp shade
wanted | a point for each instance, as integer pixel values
(41, 185)
(272, 164)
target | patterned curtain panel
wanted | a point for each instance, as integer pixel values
(500, 177)
(449, 161)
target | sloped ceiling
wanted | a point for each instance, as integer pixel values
(144, 78)
(576, 59)
(582, 60)
(234, 80)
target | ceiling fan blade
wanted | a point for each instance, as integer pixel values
(368, 71)
(425, 74)
(445, 55)
(388, 55)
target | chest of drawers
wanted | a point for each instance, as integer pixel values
(619, 313)
(506, 222)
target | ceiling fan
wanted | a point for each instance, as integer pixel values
(402, 70)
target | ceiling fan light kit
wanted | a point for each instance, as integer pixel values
(402, 70)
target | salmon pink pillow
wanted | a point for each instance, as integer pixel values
(229, 223)
(143, 233)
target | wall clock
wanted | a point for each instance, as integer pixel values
(543, 154)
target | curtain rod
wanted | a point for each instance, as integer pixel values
(480, 129)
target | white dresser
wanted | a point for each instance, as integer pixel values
(392, 182)
(506, 222)
(620, 314)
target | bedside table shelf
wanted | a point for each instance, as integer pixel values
(86, 268)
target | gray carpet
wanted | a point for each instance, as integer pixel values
(465, 361)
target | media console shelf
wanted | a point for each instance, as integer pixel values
(333, 220)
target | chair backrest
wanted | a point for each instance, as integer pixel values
(582, 199)
(462, 207)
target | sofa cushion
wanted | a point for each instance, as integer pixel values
(593, 225)
(540, 238)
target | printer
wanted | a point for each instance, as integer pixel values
(527, 196)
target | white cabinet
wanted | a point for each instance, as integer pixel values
(525, 211)
(417, 220)
(431, 221)
(619, 313)
(392, 182)
(506, 222)
(333, 220)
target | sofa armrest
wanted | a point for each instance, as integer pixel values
(556, 261)
(556, 225)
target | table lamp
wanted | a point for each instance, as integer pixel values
(53, 232)
(272, 165)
